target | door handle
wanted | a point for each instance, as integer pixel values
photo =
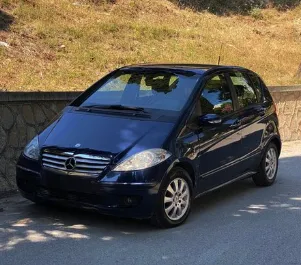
(236, 124)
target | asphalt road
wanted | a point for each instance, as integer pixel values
(239, 224)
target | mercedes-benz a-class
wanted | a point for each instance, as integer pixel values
(146, 140)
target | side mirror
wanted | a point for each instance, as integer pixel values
(210, 119)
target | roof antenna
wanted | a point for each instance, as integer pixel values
(220, 54)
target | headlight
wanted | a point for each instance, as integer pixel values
(32, 150)
(143, 160)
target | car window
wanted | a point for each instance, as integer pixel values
(256, 85)
(146, 89)
(154, 90)
(245, 93)
(216, 97)
(266, 93)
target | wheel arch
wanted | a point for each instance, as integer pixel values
(271, 134)
(188, 167)
(276, 140)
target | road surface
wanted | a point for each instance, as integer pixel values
(239, 224)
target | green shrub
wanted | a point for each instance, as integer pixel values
(256, 13)
(285, 4)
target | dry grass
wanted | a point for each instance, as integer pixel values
(69, 44)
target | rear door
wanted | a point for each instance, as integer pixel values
(251, 113)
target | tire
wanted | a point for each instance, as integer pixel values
(173, 209)
(266, 175)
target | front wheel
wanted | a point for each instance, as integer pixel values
(268, 167)
(174, 199)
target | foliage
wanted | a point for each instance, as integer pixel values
(256, 13)
(69, 44)
(285, 4)
(222, 7)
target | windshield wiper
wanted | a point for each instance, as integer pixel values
(136, 111)
(114, 107)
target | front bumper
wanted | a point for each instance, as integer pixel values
(135, 200)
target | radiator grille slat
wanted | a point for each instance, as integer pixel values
(84, 163)
(53, 166)
(52, 161)
(58, 157)
(89, 166)
(92, 162)
(92, 158)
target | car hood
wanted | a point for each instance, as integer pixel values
(106, 133)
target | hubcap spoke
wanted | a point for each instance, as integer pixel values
(184, 194)
(181, 186)
(169, 208)
(168, 199)
(170, 189)
(176, 182)
(174, 212)
(180, 210)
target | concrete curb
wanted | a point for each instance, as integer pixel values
(37, 96)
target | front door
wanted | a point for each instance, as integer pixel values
(219, 144)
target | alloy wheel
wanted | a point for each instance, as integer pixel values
(271, 163)
(176, 199)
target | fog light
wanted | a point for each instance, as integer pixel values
(43, 192)
(129, 201)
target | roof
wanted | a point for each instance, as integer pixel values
(197, 68)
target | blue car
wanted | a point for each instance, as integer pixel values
(146, 140)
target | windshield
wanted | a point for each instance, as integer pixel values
(157, 90)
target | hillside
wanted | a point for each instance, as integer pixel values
(69, 44)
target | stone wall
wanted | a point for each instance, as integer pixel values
(23, 115)
(288, 102)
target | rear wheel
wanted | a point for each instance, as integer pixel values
(174, 199)
(268, 167)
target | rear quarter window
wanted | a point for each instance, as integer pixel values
(257, 85)
(245, 92)
(266, 93)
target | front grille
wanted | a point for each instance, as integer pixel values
(80, 163)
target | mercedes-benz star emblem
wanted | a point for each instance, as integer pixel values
(70, 163)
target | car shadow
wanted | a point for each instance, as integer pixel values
(223, 195)
(244, 197)
(22, 222)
